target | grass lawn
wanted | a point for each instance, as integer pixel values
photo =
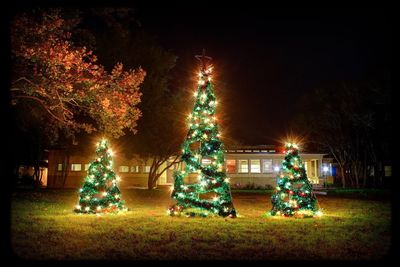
(354, 226)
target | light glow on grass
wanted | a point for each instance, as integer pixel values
(47, 218)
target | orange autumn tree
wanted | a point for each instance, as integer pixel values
(65, 82)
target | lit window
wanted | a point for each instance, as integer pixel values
(59, 167)
(388, 170)
(146, 169)
(243, 166)
(76, 167)
(206, 161)
(135, 169)
(267, 165)
(255, 166)
(231, 166)
(123, 168)
(86, 167)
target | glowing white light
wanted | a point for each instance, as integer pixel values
(226, 180)
(78, 207)
(325, 169)
(104, 193)
(276, 168)
(215, 198)
(87, 208)
(319, 213)
(98, 207)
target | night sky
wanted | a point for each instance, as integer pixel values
(266, 59)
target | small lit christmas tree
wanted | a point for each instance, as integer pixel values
(294, 195)
(203, 154)
(100, 193)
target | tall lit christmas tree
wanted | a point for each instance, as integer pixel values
(203, 154)
(100, 193)
(294, 195)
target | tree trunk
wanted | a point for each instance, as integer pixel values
(343, 176)
(151, 182)
(349, 175)
(355, 167)
(154, 175)
(36, 176)
(65, 171)
(365, 172)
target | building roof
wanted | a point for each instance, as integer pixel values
(260, 149)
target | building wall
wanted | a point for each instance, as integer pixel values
(264, 177)
(136, 176)
(74, 179)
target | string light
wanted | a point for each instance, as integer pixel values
(211, 178)
(298, 201)
(98, 178)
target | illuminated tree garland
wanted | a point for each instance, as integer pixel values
(294, 195)
(203, 154)
(100, 193)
